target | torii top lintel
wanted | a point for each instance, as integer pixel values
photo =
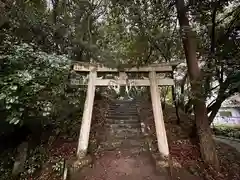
(160, 67)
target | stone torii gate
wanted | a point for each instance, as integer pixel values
(153, 81)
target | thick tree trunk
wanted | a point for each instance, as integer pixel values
(194, 134)
(207, 145)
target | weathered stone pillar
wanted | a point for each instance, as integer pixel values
(87, 116)
(158, 115)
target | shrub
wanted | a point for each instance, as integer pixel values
(228, 131)
(31, 81)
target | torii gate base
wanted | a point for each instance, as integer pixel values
(153, 82)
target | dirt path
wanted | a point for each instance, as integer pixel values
(130, 158)
(233, 143)
(124, 165)
(115, 165)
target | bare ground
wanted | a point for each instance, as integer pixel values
(117, 165)
(184, 154)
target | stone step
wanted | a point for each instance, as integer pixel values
(133, 150)
(122, 121)
(125, 135)
(123, 105)
(122, 101)
(125, 125)
(123, 113)
(122, 109)
(120, 136)
(134, 112)
(125, 131)
(122, 117)
(129, 143)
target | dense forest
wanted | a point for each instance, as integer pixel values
(40, 40)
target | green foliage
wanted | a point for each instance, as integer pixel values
(216, 27)
(30, 81)
(58, 167)
(228, 131)
(35, 159)
(139, 32)
(36, 44)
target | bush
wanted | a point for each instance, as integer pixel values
(228, 131)
(30, 82)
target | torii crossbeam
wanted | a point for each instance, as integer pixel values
(153, 81)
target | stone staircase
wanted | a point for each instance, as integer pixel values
(123, 128)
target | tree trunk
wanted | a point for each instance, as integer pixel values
(174, 99)
(20, 159)
(55, 10)
(214, 110)
(207, 146)
(222, 96)
(211, 58)
(188, 107)
(164, 95)
(175, 104)
(194, 134)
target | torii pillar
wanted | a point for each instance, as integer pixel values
(87, 116)
(158, 115)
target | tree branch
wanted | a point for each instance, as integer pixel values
(149, 54)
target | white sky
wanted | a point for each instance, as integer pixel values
(49, 4)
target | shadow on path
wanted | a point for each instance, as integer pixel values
(233, 143)
(121, 165)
